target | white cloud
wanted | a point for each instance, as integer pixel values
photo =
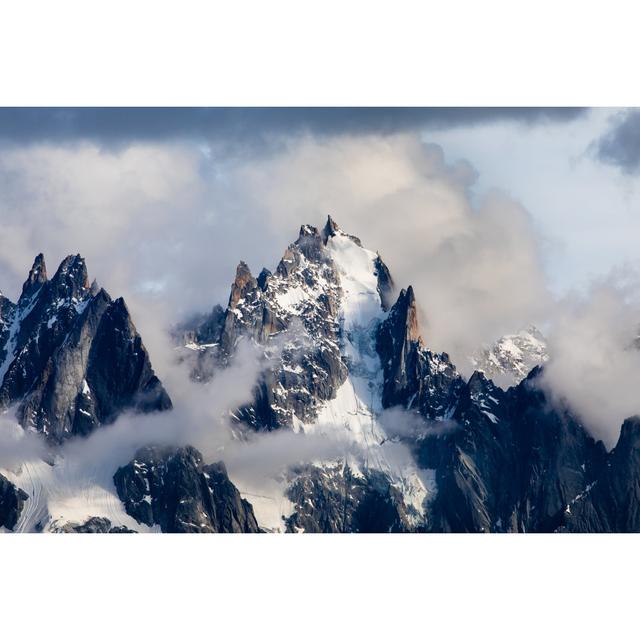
(476, 269)
(594, 365)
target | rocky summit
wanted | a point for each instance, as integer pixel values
(71, 357)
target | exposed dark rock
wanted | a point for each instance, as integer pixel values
(611, 502)
(414, 377)
(334, 500)
(386, 287)
(504, 461)
(263, 279)
(7, 313)
(331, 229)
(300, 299)
(173, 488)
(74, 359)
(37, 277)
(512, 462)
(12, 500)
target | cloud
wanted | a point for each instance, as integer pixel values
(17, 445)
(595, 366)
(165, 225)
(400, 423)
(476, 267)
(620, 145)
(235, 128)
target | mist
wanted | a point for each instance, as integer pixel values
(595, 360)
(165, 225)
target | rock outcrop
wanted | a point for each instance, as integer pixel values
(12, 500)
(334, 499)
(172, 488)
(72, 358)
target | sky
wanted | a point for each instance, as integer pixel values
(498, 217)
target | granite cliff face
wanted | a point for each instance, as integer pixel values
(173, 489)
(72, 359)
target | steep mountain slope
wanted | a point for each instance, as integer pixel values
(348, 364)
(73, 359)
(316, 318)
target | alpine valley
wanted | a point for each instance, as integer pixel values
(415, 445)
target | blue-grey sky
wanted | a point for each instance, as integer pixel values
(585, 202)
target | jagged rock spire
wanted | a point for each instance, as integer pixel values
(75, 359)
(330, 229)
(405, 313)
(263, 278)
(72, 276)
(37, 277)
(243, 283)
(386, 286)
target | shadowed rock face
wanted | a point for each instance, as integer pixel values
(334, 500)
(172, 488)
(512, 462)
(12, 500)
(72, 358)
(414, 377)
(611, 502)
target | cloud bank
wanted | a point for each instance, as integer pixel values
(595, 363)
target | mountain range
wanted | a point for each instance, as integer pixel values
(418, 447)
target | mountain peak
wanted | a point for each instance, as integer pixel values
(512, 357)
(407, 309)
(330, 229)
(307, 230)
(37, 277)
(242, 283)
(72, 277)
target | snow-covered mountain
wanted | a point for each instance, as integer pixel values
(347, 360)
(510, 359)
(396, 438)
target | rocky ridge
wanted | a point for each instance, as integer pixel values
(172, 488)
(487, 459)
(72, 359)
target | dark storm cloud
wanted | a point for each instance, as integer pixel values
(243, 125)
(620, 146)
